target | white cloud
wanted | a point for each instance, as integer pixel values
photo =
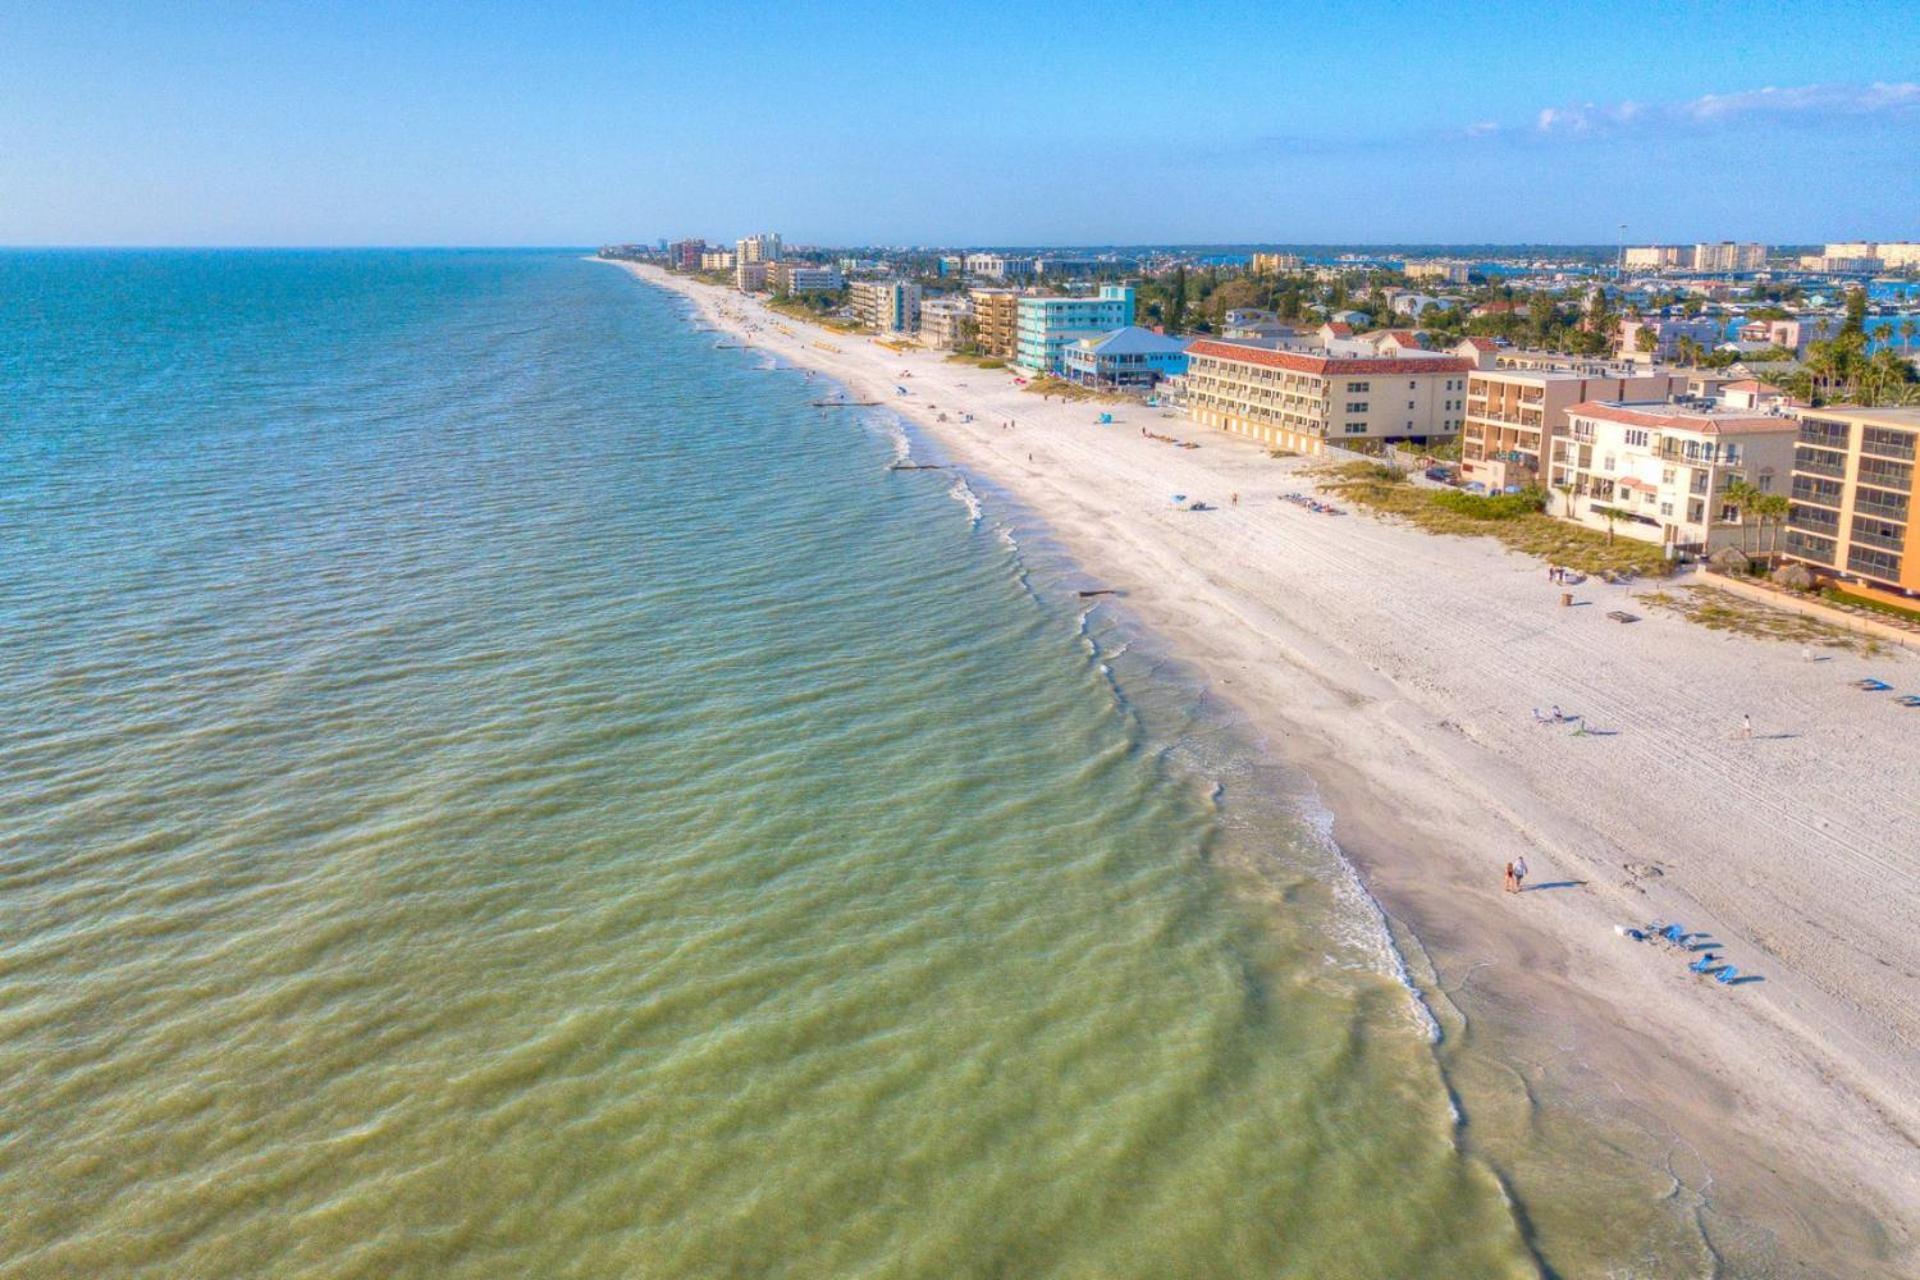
(1900, 100)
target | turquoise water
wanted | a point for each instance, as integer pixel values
(497, 786)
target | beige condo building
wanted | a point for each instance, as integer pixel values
(1302, 401)
(1514, 415)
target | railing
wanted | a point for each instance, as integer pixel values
(1887, 444)
(1874, 539)
(1867, 502)
(1803, 491)
(1820, 467)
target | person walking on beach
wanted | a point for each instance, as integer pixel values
(1512, 885)
(1746, 727)
(1520, 874)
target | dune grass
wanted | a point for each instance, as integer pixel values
(1515, 519)
(1719, 610)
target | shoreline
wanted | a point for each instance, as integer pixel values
(1349, 644)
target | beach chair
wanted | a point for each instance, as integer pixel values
(1674, 933)
(1909, 699)
(1700, 965)
(1726, 975)
(1872, 686)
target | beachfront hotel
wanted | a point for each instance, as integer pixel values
(1663, 468)
(761, 248)
(1301, 400)
(1044, 326)
(802, 277)
(1514, 415)
(886, 306)
(944, 320)
(996, 319)
(1854, 493)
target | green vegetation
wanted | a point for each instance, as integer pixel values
(813, 308)
(1723, 611)
(977, 361)
(1048, 385)
(1492, 506)
(1516, 519)
(1849, 600)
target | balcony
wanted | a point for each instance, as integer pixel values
(1818, 550)
(1873, 502)
(1810, 491)
(1819, 462)
(1875, 538)
(1881, 443)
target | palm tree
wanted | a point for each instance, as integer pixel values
(1611, 514)
(1742, 497)
(1909, 330)
(1774, 509)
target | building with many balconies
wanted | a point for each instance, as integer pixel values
(1514, 415)
(1663, 468)
(1302, 400)
(1854, 495)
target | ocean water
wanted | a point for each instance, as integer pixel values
(497, 786)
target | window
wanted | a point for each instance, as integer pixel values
(1876, 564)
(1411, 386)
(1359, 386)
(1666, 508)
(1765, 483)
(1356, 406)
(1409, 404)
(1666, 475)
(1606, 462)
(1356, 428)
(1636, 438)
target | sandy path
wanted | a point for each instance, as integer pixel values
(1400, 670)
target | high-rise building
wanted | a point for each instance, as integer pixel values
(1854, 494)
(1658, 257)
(684, 255)
(761, 248)
(1728, 256)
(1275, 264)
(887, 306)
(996, 318)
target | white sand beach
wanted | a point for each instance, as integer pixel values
(1400, 670)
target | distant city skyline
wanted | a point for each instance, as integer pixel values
(218, 124)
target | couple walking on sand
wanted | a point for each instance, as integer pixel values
(1516, 875)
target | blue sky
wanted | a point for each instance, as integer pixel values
(935, 123)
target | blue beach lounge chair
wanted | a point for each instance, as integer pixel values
(1909, 699)
(1872, 686)
(1700, 965)
(1673, 933)
(1726, 975)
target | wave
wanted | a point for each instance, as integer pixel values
(962, 492)
(1373, 934)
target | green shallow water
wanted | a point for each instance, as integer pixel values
(496, 787)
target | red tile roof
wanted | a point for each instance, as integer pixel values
(1404, 338)
(1680, 420)
(1302, 362)
(1341, 328)
(1752, 384)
